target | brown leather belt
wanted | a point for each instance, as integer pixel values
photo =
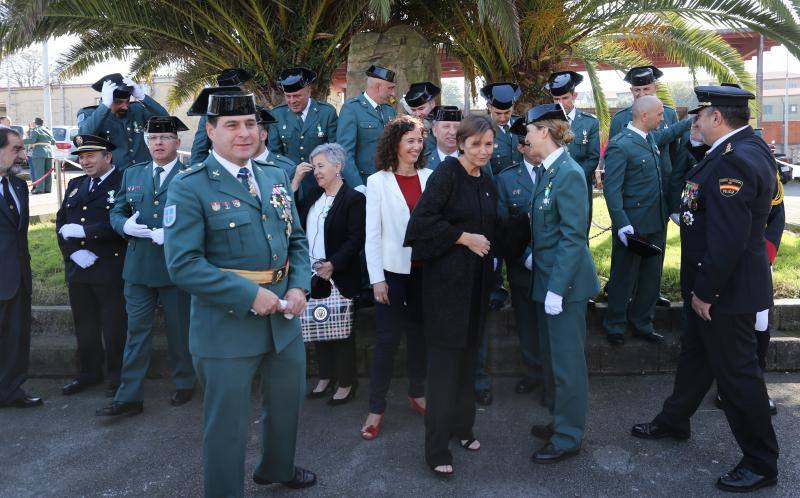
(268, 277)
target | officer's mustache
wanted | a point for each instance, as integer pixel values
(16, 168)
(122, 113)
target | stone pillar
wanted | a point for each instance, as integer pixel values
(400, 48)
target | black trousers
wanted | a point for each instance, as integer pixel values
(100, 318)
(725, 349)
(15, 344)
(337, 360)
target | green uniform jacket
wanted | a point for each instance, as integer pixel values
(562, 263)
(144, 259)
(514, 194)
(42, 140)
(585, 148)
(505, 149)
(296, 139)
(284, 163)
(684, 161)
(212, 222)
(126, 133)
(201, 144)
(669, 149)
(358, 131)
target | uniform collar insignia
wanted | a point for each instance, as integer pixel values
(728, 148)
(215, 172)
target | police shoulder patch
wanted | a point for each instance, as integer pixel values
(170, 214)
(729, 187)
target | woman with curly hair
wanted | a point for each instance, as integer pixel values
(392, 193)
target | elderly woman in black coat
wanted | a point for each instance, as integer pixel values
(451, 231)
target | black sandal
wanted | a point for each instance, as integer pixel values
(467, 443)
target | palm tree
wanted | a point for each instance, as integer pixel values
(198, 38)
(600, 34)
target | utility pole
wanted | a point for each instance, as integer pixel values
(786, 108)
(760, 80)
(46, 97)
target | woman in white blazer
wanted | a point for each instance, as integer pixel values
(392, 193)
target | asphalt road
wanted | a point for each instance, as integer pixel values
(62, 449)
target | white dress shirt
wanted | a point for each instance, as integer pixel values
(571, 114)
(263, 156)
(442, 155)
(315, 226)
(634, 129)
(725, 137)
(530, 167)
(233, 169)
(371, 102)
(304, 114)
(551, 158)
(167, 169)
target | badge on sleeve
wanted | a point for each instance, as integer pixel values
(729, 187)
(170, 213)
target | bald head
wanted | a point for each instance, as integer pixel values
(648, 111)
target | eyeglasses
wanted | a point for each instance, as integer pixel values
(160, 138)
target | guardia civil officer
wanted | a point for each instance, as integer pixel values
(120, 121)
(725, 281)
(636, 197)
(94, 256)
(265, 119)
(41, 140)
(643, 82)
(230, 79)
(515, 186)
(137, 215)
(361, 123)
(233, 241)
(445, 119)
(562, 281)
(421, 101)
(302, 123)
(585, 147)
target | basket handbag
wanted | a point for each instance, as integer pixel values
(327, 319)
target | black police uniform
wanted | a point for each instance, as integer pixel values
(724, 208)
(95, 293)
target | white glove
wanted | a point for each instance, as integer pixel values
(83, 258)
(676, 218)
(72, 230)
(362, 189)
(158, 236)
(137, 91)
(495, 262)
(623, 234)
(552, 303)
(136, 229)
(529, 262)
(107, 93)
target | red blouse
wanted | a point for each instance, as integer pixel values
(411, 189)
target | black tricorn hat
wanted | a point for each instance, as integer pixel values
(122, 91)
(446, 113)
(538, 113)
(562, 82)
(381, 73)
(643, 75)
(725, 95)
(641, 246)
(164, 124)
(501, 95)
(90, 143)
(420, 93)
(200, 104)
(296, 78)
(237, 103)
(234, 76)
(264, 117)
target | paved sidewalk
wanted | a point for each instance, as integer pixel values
(62, 449)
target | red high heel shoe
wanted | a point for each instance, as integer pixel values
(412, 403)
(370, 432)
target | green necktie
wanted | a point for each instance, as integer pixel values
(157, 177)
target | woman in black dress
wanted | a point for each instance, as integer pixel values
(451, 231)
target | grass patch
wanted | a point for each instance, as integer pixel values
(49, 286)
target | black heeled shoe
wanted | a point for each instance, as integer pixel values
(321, 394)
(352, 394)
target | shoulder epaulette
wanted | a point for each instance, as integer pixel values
(588, 114)
(511, 167)
(622, 110)
(189, 170)
(138, 165)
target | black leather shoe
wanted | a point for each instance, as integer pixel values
(663, 302)
(302, 479)
(483, 397)
(120, 408)
(75, 386)
(652, 430)
(615, 339)
(744, 480)
(352, 394)
(321, 394)
(550, 454)
(525, 386)
(23, 402)
(651, 337)
(544, 432)
(111, 390)
(181, 397)
(773, 408)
